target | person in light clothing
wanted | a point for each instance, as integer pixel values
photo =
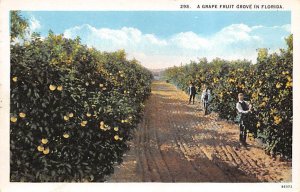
(244, 109)
(206, 94)
(205, 98)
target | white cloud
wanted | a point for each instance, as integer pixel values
(190, 40)
(154, 40)
(235, 32)
(236, 41)
(128, 38)
(286, 27)
(34, 24)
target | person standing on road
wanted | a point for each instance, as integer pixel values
(192, 92)
(244, 109)
(205, 98)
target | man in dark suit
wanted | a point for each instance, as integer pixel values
(192, 92)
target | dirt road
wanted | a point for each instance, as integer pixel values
(175, 142)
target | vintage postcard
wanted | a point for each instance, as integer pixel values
(168, 95)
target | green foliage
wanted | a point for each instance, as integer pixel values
(18, 25)
(72, 109)
(262, 54)
(267, 85)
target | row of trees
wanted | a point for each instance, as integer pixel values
(72, 107)
(266, 84)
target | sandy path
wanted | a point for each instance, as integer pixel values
(175, 142)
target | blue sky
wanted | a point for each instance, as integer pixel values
(166, 38)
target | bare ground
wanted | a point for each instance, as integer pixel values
(175, 142)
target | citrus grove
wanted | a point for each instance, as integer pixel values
(72, 107)
(267, 85)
